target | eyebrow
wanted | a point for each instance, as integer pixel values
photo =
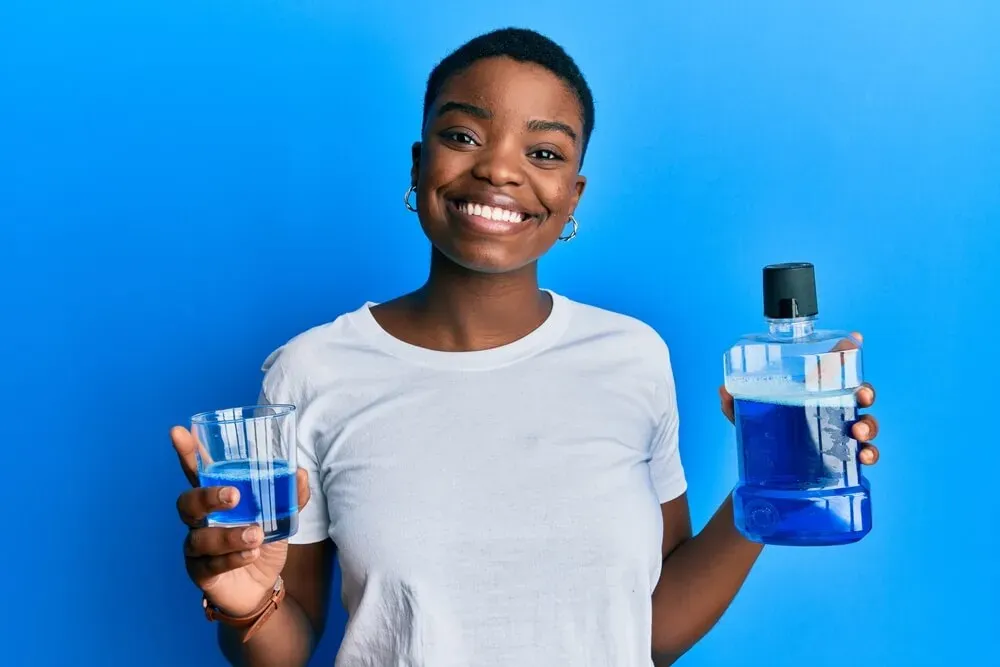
(486, 114)
(465, 107)
(552, 125)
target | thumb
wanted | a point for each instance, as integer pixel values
(186, 446)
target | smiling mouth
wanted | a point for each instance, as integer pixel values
(494, 213)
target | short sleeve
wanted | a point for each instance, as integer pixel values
(314, 518)
(666, 470)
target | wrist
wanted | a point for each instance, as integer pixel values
(242, 608)
(248, 621)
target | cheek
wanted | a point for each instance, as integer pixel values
(440, 166)
(437, 170)
(557, 196)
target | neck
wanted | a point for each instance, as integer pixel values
(463, 310)
(791, 328)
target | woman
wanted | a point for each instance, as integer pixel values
(495, 465)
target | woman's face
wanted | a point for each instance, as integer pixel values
(497, 171)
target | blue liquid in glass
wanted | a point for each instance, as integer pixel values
(800, 479)
(268, 495)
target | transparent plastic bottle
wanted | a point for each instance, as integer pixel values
(800, 480)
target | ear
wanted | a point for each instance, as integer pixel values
(415, 166)
(578, 187)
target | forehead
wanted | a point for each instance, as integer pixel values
(515, 90)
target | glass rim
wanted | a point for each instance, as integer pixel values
(211, 416)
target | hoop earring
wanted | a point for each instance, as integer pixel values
(572, 234)
(406, 199)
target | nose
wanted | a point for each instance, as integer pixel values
(500, 165)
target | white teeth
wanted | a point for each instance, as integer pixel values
(491, 212)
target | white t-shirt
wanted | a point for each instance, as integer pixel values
(497, 508)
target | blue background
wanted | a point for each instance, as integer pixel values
(185, 185)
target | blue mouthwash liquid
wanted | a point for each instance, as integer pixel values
(268, 495)
(800, 480)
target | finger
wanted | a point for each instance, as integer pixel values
(865, 395)
(186, 447)
(302, 484)
(868, 455)
(727, 403)
(221, 541)
(194, 505)
(865, 429)
(852, 342)
(203, 570)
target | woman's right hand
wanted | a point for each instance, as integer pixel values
(231, 565)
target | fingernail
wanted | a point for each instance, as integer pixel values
(249, 553)
(863, 431)
(226, 495)
(250, 535)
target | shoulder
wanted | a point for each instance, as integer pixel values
(624, 332)
(310, 356)
(302, 348)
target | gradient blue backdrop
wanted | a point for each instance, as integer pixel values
(184, 185)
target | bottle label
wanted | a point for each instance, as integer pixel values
(832, 371)
(754, 374)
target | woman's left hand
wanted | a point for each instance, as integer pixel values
(863, 430)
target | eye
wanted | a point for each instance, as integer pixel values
(459, 137)
(545, 155)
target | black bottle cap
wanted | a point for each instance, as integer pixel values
(790, 291)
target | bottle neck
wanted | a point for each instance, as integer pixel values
(792, 328)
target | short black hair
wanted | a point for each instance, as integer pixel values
(521, 45)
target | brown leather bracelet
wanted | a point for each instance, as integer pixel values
(254, 619)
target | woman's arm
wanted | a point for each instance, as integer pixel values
(701, 575)
(699, 579)
(290, 635)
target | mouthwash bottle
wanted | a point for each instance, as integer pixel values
(794, 385)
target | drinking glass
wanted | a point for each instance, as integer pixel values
(252, 449)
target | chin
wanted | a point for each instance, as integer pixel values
(486, 260)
